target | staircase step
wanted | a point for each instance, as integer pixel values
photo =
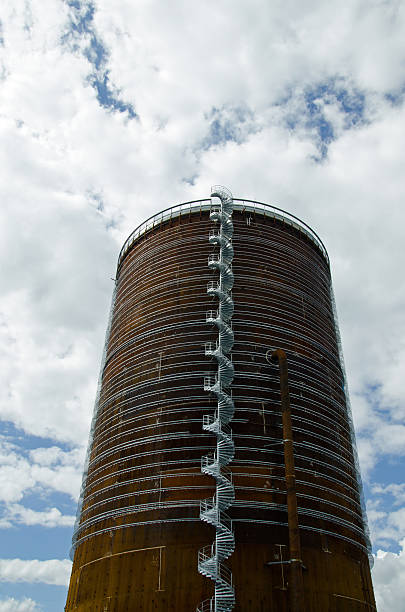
(211, 511)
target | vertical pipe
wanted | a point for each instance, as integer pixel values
(296, 589)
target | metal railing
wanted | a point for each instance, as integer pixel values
(194, 206)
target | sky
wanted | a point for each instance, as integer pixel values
(110, 112)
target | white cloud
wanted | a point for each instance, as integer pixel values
(76, 178)
(51, 517)
(59, 470)
(389, 580)
(52, 320)
(396, 490)
(42, 470)
(52, 571)
(386, 514)
(14, 475)
(19, 605)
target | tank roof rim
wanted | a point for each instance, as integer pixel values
(192, 205)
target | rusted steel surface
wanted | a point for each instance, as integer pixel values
(296, 587)
(139, 535)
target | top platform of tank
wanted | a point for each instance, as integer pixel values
(243, 205)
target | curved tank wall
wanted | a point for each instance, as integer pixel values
(139, 530)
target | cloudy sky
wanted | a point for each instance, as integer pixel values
(111, 111)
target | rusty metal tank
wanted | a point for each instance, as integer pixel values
(141, 519)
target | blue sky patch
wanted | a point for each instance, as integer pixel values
(14, 435)
(52, 597)
(15, 539)
(310, 112)
(49, 498)
(190, 180)
(81, 26)
(108, 95)
(228, 124)
(396, 98)
(389, 470)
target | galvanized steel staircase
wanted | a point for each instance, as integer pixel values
(212, 511)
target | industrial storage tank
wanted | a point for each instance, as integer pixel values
(183, 505)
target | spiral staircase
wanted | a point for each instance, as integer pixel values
(212, 511)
